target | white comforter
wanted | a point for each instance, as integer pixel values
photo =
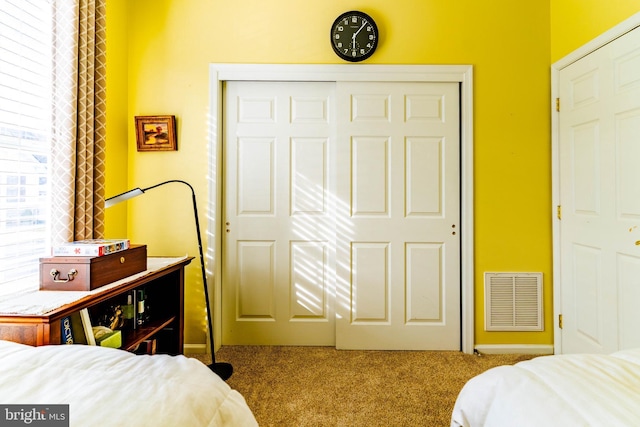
(562, 390)
(108, 387)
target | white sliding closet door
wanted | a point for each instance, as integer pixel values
(398, 253)
(279, 251)
(342, 215)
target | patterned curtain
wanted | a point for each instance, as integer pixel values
(79, 120)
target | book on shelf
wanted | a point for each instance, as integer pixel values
(86, 324)
(82, 328)
(66, 330)
(91, 247)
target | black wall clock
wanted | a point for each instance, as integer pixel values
(354, 36)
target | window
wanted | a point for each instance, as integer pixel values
(25, 123)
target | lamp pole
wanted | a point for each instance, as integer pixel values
(222, 369)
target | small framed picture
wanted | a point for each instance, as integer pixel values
(156, 133)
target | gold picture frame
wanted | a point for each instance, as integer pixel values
(156, 133)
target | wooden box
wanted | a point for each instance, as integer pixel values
(57, 273)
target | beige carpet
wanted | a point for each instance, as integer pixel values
(321, 386)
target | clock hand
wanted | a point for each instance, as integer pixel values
(359, 29)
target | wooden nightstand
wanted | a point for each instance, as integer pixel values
(163, 283)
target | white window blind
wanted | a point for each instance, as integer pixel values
(25, 123)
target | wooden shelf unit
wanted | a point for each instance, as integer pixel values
(165, 291)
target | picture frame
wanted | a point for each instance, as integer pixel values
(156, 133)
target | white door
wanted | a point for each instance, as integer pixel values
(599, 163)
(398, 253)
(278, 247)
(309, 215)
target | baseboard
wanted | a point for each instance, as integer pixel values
(514, 349)
(480, 348)
(195, 348)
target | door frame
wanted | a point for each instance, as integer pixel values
(622, 28)
(462, 74)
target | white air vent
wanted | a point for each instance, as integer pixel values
(513, 302)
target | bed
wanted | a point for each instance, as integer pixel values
(560, 390)
(110, 387)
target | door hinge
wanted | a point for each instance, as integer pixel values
(560, 321)
(557, 104)
(559, 211)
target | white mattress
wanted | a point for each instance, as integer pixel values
(562, 390)
(109, 387)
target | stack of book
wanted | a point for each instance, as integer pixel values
(91, 247)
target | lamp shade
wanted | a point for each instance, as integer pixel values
(122, 197)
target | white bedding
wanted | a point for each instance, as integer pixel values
(109, 387)
(561, 390)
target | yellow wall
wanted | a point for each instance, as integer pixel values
(170, 44)
(576, 22)
(117, 117)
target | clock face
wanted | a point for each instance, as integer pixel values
(354, 36)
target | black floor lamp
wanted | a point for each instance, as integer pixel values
(223, 370)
